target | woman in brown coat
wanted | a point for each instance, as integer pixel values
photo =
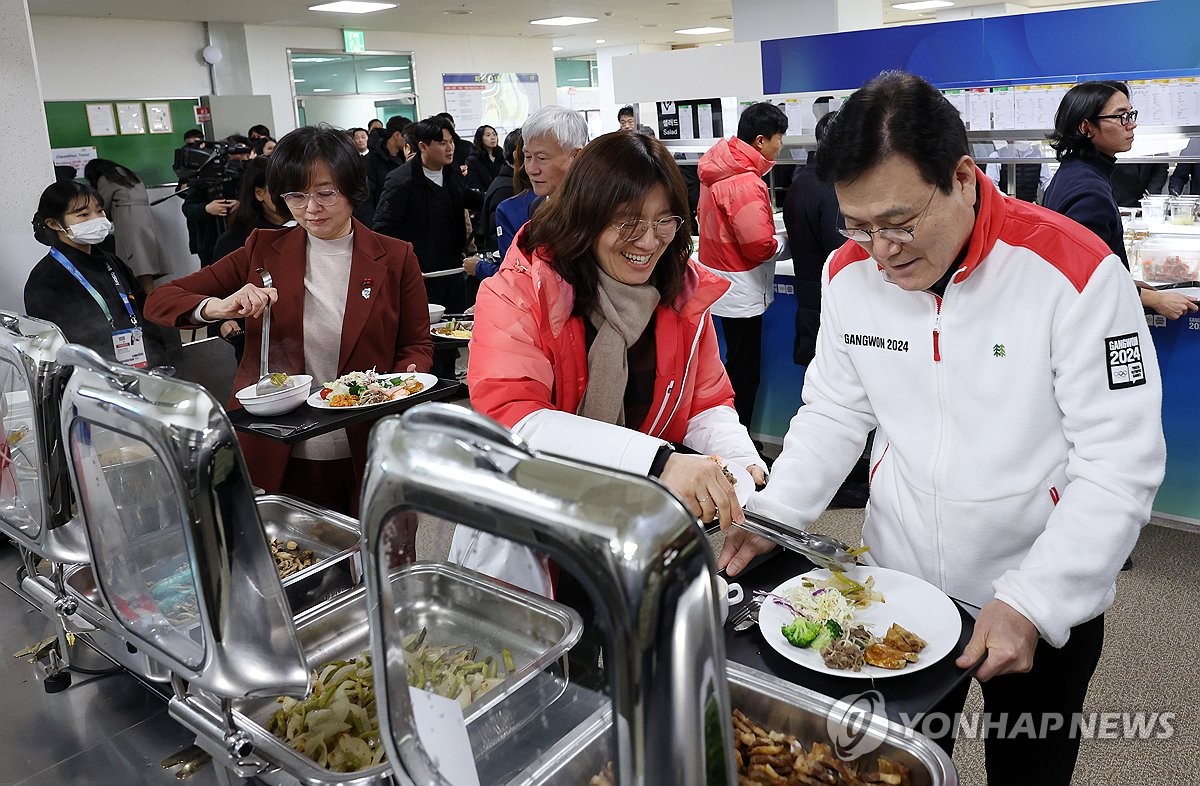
(345, 299)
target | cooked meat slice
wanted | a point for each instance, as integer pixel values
(904, 640)
(885, 657)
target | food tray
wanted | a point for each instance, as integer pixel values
(772, 703)
(333, 539)
(457, 606)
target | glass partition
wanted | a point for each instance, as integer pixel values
(136, 520)
(332, 73)
(21, 494)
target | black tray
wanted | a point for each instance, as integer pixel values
(312, 422)
(911, 694)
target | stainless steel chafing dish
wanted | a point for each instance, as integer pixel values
(774, 704)
(181, 563)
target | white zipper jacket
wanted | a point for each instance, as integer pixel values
(1020, 439)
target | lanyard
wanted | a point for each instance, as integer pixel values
(91, 290)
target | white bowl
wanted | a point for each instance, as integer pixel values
(435, 312)
(276, 402)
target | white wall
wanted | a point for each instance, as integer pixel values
(119, 58)
(24, 154)
(433, 55)
(731, 70)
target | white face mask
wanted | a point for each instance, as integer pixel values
(90, 232)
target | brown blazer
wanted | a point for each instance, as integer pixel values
(388, 331)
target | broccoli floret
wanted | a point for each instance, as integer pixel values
(801, 632)
(828, 632)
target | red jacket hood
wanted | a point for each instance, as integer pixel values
(731, 157)
(701, 288)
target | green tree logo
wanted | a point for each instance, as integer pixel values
(998, 350)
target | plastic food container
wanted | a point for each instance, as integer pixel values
(1168, 260)
(1182, 210)
(1154, 209)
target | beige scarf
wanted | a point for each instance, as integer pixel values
(620, 316)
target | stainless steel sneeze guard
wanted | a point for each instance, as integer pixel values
(35, 492)
(175, 540)
(631, 544)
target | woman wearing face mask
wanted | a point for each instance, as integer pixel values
(594, 340)
(90, 294)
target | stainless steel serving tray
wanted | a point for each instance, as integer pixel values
(457, 606)
(772, 703)
(332, 538)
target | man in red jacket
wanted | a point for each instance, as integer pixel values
(737, 240)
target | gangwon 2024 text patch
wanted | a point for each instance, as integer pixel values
(1124, 356)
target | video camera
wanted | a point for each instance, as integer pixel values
(207, 166)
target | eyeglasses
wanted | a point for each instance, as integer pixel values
(899, 235)
(1125, 118)
(634, 228)
(298, 200)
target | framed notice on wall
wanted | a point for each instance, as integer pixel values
(101, 120)
(158, 116)
(502, 101)
(130, 119)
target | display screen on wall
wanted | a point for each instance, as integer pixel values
(502, 101)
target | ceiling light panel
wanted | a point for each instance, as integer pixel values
(351, 7)
(702, 30)
(563, 21)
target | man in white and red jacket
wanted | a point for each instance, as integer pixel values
(738, 240)
(1002, 354)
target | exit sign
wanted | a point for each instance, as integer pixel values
(356, 40)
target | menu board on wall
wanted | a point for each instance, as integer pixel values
(502, 101)
(692, 119)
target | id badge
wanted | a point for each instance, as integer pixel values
(129, 347)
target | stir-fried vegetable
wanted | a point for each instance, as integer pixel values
(453, 671)
(336, 726)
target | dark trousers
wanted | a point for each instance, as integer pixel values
(448, 291)
(743, 361)
(1057, 684)
(327, 484)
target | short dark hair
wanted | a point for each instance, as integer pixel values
(57, 200)
(823, 125)
(291, 163)
(511, 142)
(261, 130)
(761, 119)
(372, 121)
(447, 117)
(896, 113)
(608, 180)
(1082, 102)
(626, 111)
(193, 133)
(355, 130)
(428, 131)
(397, 123)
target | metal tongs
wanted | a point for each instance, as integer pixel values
(822, 550)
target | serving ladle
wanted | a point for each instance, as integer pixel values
(269, 382)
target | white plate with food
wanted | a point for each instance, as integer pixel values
(348, 391)
(898, 599)
(453, 328)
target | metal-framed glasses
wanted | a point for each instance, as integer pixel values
(899, 235)
(633, 229)
(297, 200)
(1125, 118)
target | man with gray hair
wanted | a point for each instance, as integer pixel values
(552, 137)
